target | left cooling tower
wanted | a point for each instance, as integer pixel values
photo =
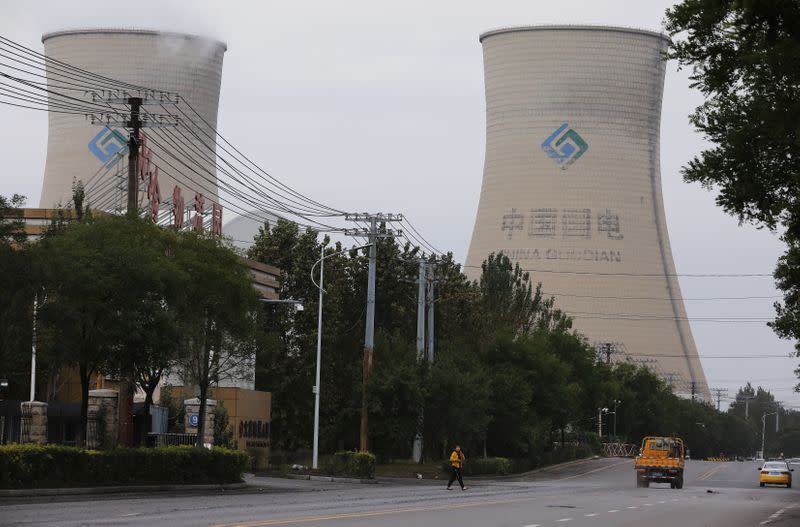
(77, 149)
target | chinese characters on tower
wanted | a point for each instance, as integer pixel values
(576, 224)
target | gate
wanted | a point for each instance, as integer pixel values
(10, 422)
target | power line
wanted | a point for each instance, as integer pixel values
(644, 275)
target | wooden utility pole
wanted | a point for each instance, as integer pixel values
(135, 124)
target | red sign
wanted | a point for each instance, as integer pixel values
(216, 220)
(199, 205)
(177, 208)
(154, 195)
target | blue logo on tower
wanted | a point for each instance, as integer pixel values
(107, 144)
(565, 146)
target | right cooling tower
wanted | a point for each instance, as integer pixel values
(572, 188)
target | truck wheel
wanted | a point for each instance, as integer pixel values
(679, 483)
(672, 484)
(639, 482)
(789, 485)
(761, 484)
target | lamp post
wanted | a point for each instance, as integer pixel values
(316, 389)
(763, 431)
(616, 402)
(600, 412)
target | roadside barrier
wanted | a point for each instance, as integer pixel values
(619, 450)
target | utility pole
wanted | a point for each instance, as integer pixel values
(694, 390)
(315, 451)
(421, 287)
(719, 393)
(135, 124)
(33, 349)
(747, 399)
(764, 430)
(609, 349)
(369, 332)
(431, 267)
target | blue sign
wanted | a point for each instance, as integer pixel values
(193, 419)
(107, 144)
(565, 146)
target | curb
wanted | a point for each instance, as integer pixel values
(79, 491)
(330, 479)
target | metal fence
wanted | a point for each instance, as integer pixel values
(63, 423)
(10, 422)
(620, 450)
(155, 439)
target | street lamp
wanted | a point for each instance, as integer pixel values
(600, 412)
(316, 388)
(763, 431)
(616, 402)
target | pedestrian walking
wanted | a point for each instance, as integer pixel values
(456, 462)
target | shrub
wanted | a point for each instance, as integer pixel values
(483, 466)
(223, 435)
(42, 466)
(354, 463)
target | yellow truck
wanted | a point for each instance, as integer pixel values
(660, 460)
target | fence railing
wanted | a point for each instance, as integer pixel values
(620, 450)
(170, 439)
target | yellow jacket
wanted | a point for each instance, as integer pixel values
(456, 458)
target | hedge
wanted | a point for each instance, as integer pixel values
(503, 466)
(355, 464)
(482, 466)
(45, 466)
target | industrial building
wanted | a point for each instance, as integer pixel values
(572, 187)
(78, 149)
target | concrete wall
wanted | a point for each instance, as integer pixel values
(572, 186)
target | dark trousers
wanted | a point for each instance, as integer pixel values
(455, 474)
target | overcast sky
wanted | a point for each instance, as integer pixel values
(379, 106)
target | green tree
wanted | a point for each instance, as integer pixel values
(96, 277)
(216, 316)
(17, 290)
(744, 56)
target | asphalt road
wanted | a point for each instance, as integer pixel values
(596, 493)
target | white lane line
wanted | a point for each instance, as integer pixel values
(131, 514)
(531, 525)
(662, 502)
(564, 520)
(648, 504)
(614, 510)
(633, 507)
(590, 515)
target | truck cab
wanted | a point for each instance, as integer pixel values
(661, 460)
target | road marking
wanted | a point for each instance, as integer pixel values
(662, 502)
(531, 525)
(614, 510)
(633, 507)
(648, 504)
(626, 462)
(590, 515)
(564, 520)
(709, 473)
(368, 514)
(131, 514)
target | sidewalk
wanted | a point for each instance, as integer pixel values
(86, 491)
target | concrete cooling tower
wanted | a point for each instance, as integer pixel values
(188, 65)
(572, 187)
